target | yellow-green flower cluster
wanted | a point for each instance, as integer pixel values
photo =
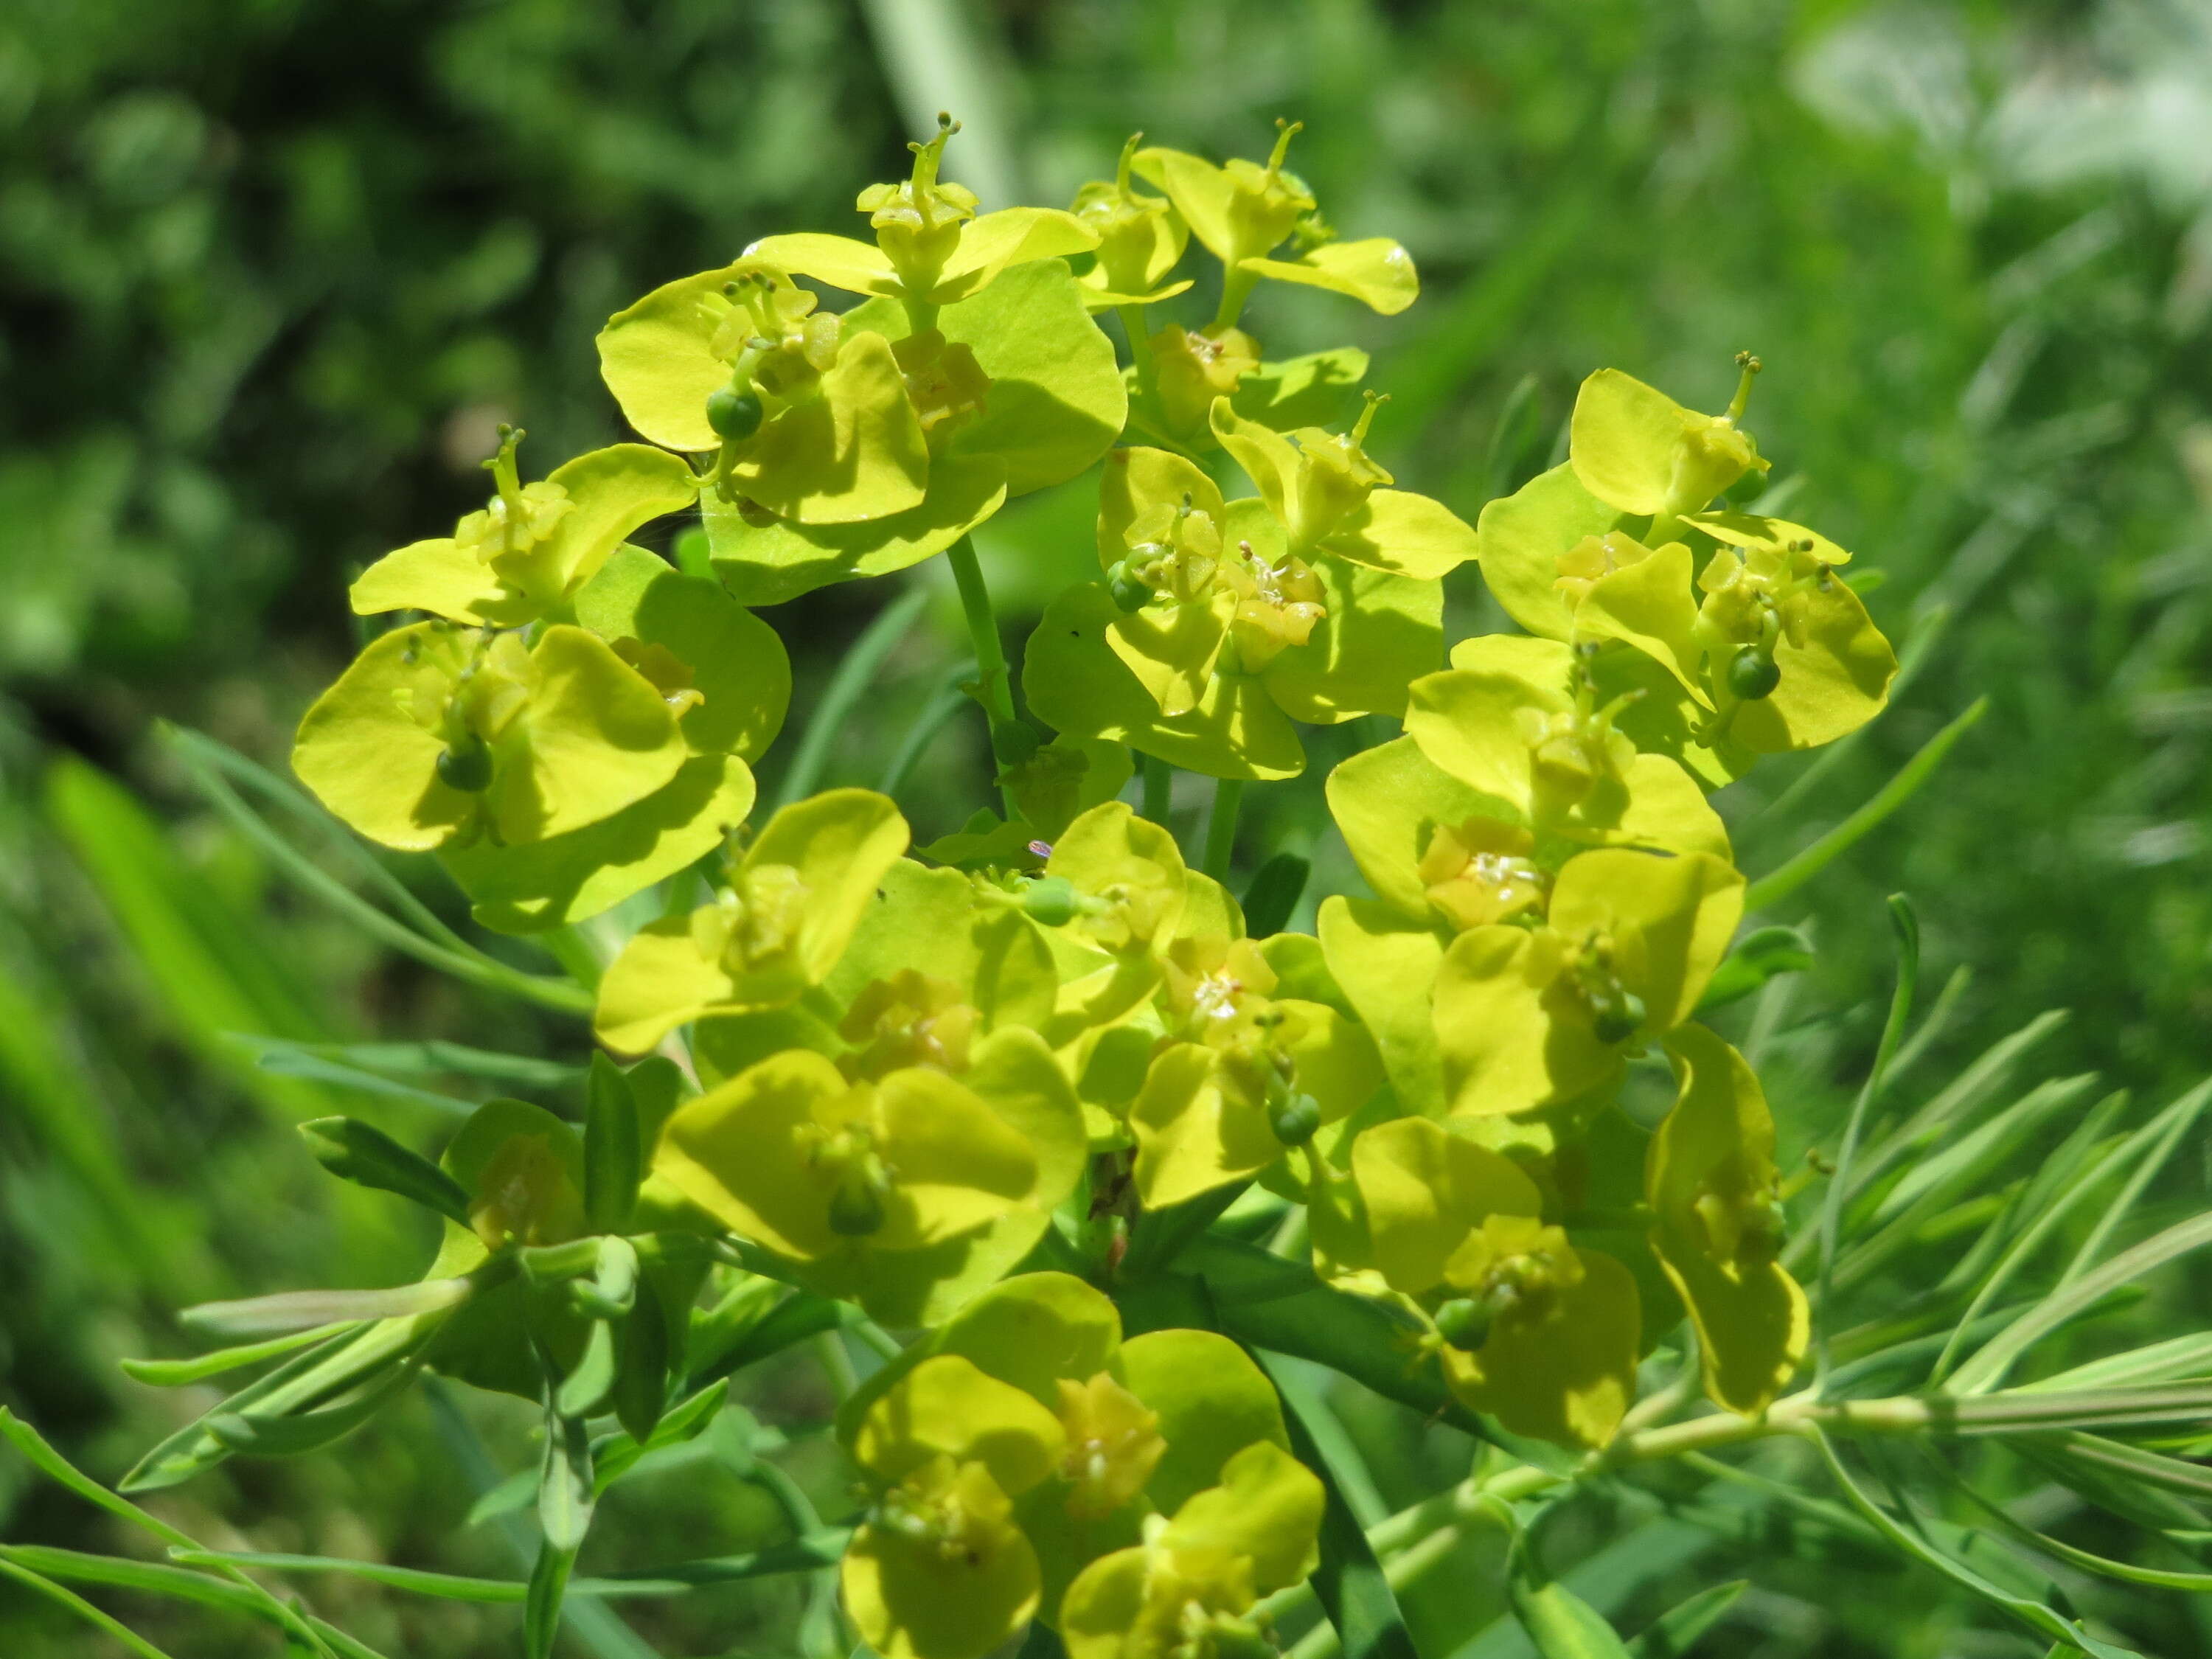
(914, 1078)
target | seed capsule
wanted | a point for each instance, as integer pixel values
(856, 1211)
(1620, 1020)
(1295, 1120)
(1130, 595)
(466, 765)
(735, 416)
(1464, 1324)
(1753, 675)
(1051, 900)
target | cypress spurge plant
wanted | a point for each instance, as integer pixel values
(1014, 1107)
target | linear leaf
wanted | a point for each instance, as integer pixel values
(2036, 1616)
(2177, 1358)
(297, 1310)
(824, 1548)
(1778, 885)
(1995, 1357)
(1675, 1632)
(444, 1586)
(1967, 1093)
(119, 1572)
(363, 1154)
(289, 1434)
(1758, 957)
(1560, 1623)
(1349, 1582)
(1906, 927)
(82, 1608)
(175, 1373)
(2184, 1112)
(687, 1420)
(614, 1156)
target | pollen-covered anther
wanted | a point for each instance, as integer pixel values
(1481, 872)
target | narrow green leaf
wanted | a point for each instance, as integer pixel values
(1758, 957)
(1778, 885)
(1989, 1364)
(1560, 1623)
(82, 1608)
(306, 1379)
(1675, 1632)
(443, 951)
(1980, 1083)
(1354, 1334)
(541, 1611)
(289, 1435)
(594, 1374)
(1349, 1582)
(302, 1061)
(855, 670)
(2177, 1358)
(2184, 1113)
(1511, 460)
(298, 1311)
(816, 1550)
(2103, 1566)
(118, 1572)
(791, 1321)
(564, 1481)
(1906, 927)
(2036, 1616)
(685, 1421)
(1961, 1172)
(175, 1373)
(443, 1586)
(642, 1365)
(1273, 894)
(2073, 1408)
(2054, 1210)
(363, 1154)
(614, 1156)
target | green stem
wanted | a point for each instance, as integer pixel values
(1221, 828)
(994, 686)
(1159, 789)
(1416, 1540)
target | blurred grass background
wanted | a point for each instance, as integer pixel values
(273, 270)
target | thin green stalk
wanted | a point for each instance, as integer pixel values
(1778, 885)
(1221, 828)
(82, 1608)
(993, 685)
(1159, 789)
(1893, 1031)
(467, 963)
(846, 688)
(935, 715)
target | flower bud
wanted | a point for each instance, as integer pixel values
(855, 1210)
(1620, 1017)
(1131, 592)
(1051, 900)
(1295, 1120)
(465, 764)
(1465, 1323)
(1753, 674)
(734, 415)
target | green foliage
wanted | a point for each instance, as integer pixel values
(1486, 1086)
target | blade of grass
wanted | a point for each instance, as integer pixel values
(1778, 885)
(1995, 1357)
(854, 676)
(1906, 927)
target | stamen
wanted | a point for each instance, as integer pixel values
(1750, 366)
